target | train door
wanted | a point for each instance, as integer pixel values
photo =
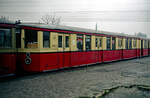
(100, 56)
(63, 42)
(141, 47)
(64, 49)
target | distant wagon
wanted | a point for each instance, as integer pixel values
(40, 47)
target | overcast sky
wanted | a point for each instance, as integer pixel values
(128, 16)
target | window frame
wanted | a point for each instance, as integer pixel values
(46, 39)
(60, 44)
(79, 39)
(96, 42)
(113, 43)
(108, 44)
(145, 44)
(134, 43)
(120, 42)
(67, 41)
(127, 43)
(7, 40)
(130, 43)
(29, 43)
(88, 46)
(100, 42)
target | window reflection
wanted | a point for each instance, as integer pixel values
(80, 42)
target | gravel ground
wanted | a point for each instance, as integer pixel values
(128, 93)
(81, 81)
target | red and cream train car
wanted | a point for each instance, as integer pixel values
(46, 47)
(39, 47)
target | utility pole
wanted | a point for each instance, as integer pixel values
(96, 27)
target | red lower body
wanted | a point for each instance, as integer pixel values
(50, 61)
(138, 52)
(145, 52)
(112, 55)
(7, 64)
(132, 53)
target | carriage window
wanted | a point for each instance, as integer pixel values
(80, 42)
(145, 44)
(120, 43)
(127, 42)
(100, 42)
(96, 42)
(88, 42)
(5, 38)
(31, 39)
(18, 38)
(67, 41)
(108, 43)
(46, 39)
(113, 43)
(134, 43)
(130, 44)
(59, 41)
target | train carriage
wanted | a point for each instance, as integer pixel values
(49, 49)
(130, 49)
(53, 47)
(40, 47)
(7, 49)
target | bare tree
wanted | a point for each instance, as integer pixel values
(51, 19)
(4, 19)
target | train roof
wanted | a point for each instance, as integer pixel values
(76, 29)
(70, 28)
(7, 22)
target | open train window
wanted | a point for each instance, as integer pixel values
(108, 43)
(31, 39)
(80, 42)
(5, 38)
(46, 39)
(67, 41)
(130, 43)
(113, 43)
(88, 42)
(96, 42)
(60, 41)
(127, 42)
